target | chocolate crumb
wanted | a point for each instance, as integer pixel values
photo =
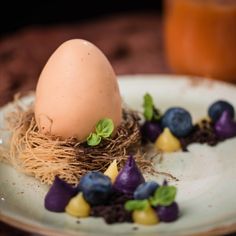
(203, 132)
(113, 211)
(78, 222)
(135, 228)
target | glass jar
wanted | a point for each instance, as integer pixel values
(200, 37)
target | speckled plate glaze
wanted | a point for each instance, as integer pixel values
(207, 175)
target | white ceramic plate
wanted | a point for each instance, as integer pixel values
(207, 175)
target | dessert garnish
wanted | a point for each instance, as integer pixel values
(145, 190)
(203, 132)
(145, 215)
(129, 178)
(150, 131)
(163, 196)
(78, 206)
(158, 206)
(165, 130)
(225, 126)
(168, 213)
(145, 203)
(167, 142)
(112, 171)
(96, 187)
(151, 128)
(104, 129)
(174, 129)
(59, 195)
(178, 120)
(217, 108)
(151, 113)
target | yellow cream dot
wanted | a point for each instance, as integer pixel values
(112, 171)
(167, 142)
(78, 207)
(145, 217)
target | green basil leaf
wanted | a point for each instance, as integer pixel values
(148, 107)
(104, 128)
(148, 113)
(148, 101)
(164, 196)
(151, 113)
(133, 205)
(93, 139)
(156, 114)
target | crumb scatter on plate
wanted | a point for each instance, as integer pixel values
(135, 228)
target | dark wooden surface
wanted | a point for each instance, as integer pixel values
(132, 42)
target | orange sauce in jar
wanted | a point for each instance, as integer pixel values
(200, 37)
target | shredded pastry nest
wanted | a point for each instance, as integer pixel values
(45, 156)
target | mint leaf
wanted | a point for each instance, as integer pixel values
(151, 113)
(148, 100)
(104, 128)
(139, 205)
(148, 107)
(93, 139)
(163, 196)
(148, 113)
(156, 114)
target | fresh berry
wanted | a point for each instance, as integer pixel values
(218, 107)
(168, 213)
(145, 190)
(178, 120)
(150, 131)
(96, 187)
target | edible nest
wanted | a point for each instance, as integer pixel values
(45, 156)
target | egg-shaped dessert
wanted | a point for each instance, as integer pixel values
(77, 123)
(75, 90)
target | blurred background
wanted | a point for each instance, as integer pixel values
(54, 12)
(195, 37)
(128, 32)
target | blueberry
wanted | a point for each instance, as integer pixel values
(178, 120)
(217, 108)
(168, 213)
(145, 190)
(150, 131)
(96, 187)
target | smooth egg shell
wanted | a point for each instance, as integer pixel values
(75, 90)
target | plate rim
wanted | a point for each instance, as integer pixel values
(53, 232)
(33, 228)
